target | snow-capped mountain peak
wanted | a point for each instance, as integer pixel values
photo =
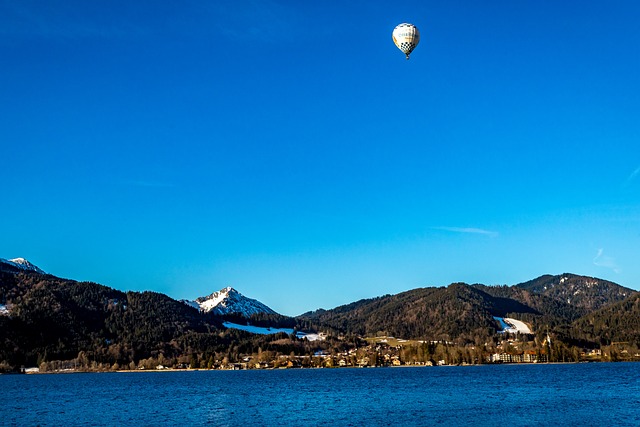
(22, 264)
(228, 300)
(220, 297)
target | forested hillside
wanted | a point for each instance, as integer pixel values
(457, 312)
(541, 310)
(44, 319)
(54, 318)
(587, 293)
(616, 323)
(465, 313)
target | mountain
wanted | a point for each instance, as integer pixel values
(466, 312)
(89, 326)
(582, 292)
(458, 311)
(20, 264)
(542, 311)
(229, 301)
(45, 317)
(560, 299)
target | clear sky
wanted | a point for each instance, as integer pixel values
(288, 149)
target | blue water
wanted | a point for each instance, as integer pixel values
(499, 395)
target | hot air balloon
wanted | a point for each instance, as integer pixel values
(406, 37)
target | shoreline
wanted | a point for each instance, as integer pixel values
(120, 371)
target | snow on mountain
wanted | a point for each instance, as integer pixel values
(22, 264)
(228, 300)
(310, 336)
(512, 326)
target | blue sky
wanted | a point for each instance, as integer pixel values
(289, 150)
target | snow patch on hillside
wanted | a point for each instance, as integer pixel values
(512, 326)
(215, 299)
(269, 331)
(520, 326)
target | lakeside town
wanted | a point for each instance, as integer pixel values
(379, 352)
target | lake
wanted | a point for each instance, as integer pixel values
(495, 395)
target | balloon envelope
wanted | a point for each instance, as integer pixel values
(406, 37)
